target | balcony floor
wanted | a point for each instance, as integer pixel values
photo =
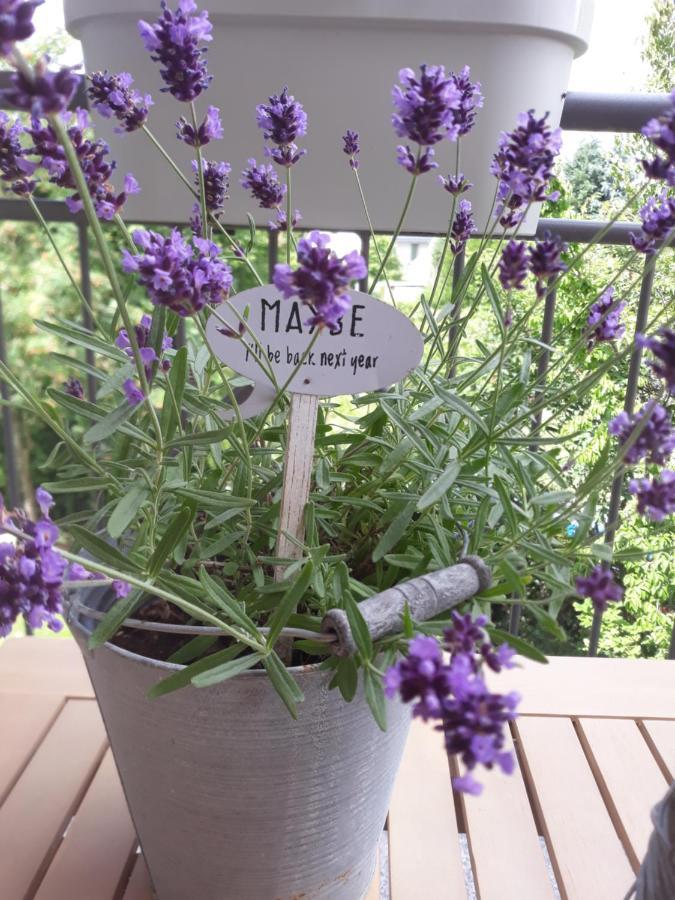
(596, 748)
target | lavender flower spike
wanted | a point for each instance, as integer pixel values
(663, 348)
(174, 42)
(211, 129)
(216, 184)
(455, 184)
(16, 22)
(660, 132)
(73, 387)
(147, 352)
(463, 226)
(14, 167)
(352, 147)
(113, 96)
(282, 120)
(658, 223)
(599, 585)
(470, 100)
(322, 278)
(46, 93)
(604, 318)
(546, 260)
(425, 105)
(513, 265)
(182, 277)
(133, 394)
(416, 165)
(523, 165)
(656, 440)
(263, 184)
(31, 570)
(655, 498)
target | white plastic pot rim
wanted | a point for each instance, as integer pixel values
(568, 21)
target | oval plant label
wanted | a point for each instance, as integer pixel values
(258, 332)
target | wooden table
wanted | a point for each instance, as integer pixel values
(595, 741)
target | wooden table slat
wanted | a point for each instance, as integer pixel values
(507, 857)
(95, 853)
(588, 857)
(628, 775)
(662, 735)
(424, 858)
(592, 687)
(41, 666)
(26, 720)
(139, 886)
(34, 815)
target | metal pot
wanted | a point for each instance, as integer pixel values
(231, 797)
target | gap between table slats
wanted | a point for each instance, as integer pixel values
(36, 812)
(661, 738)
(628, 776)
(28, 719)
(424, 858)
(98, 850)
(508, 861)
(588, 857)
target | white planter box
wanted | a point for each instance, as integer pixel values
(340, 59)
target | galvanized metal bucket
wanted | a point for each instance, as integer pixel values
(231, 798)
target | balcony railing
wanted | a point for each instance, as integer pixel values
(588, 112)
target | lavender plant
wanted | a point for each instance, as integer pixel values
(178, 509)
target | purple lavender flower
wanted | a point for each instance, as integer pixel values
(14, 167)
(46, 93)
(467, 636)
(148, 355)
(474, 721)
(174, 42)
(181, 276)
(132, 393)
(411, 163)
(656, 440)
(281, 223)
(282, 120)
(121, 588)
(523, 165)
(664, 351)
(599, 585)
(655, 498)
(660, 132)
(470, 100)
(421, 676)
(658, 223)
(455, 693)
(113, 96)
(455, 184)
(425, 106)
(73, 386)
(31, 571)
(513, 265)
(92, 155)
(463, 226)
(285, 156)
(263, 184)
(216, 184)
(322, 278)
(546, 260)
(604, 318)
(351, 147)
(16, 23)
(211, 129)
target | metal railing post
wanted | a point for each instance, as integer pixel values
(629, 407)
(365, 253)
